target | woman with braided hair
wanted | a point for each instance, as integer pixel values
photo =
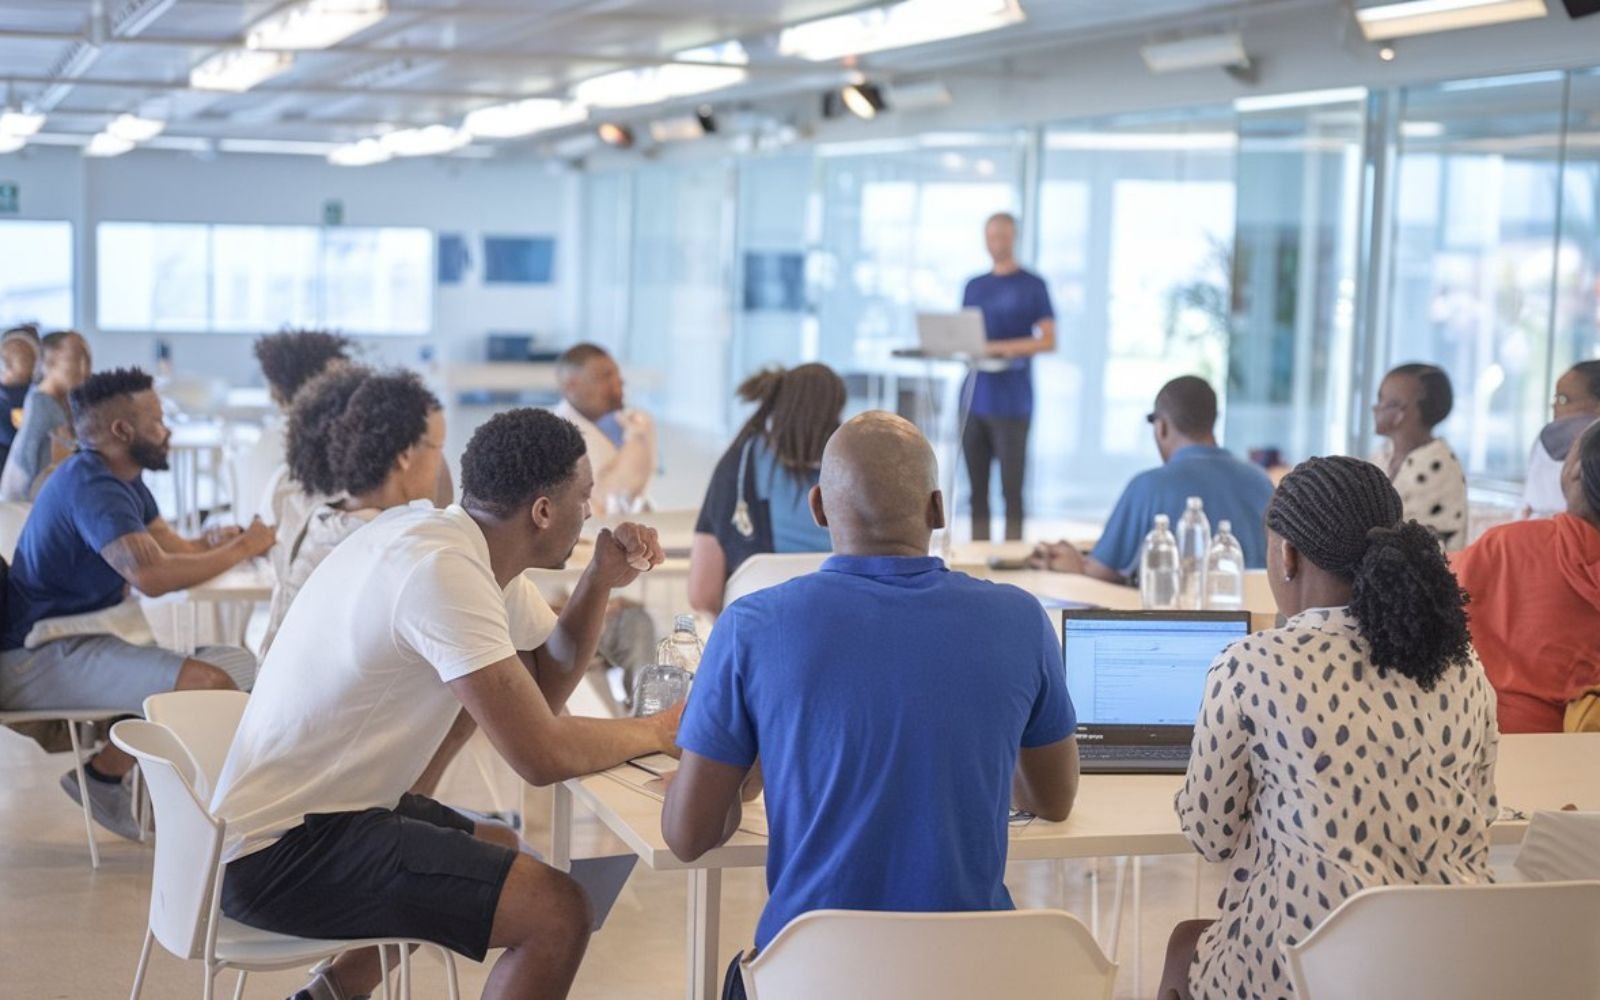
(1535, 589)
(1353, 747)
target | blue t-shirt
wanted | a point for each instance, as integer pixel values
(1011, 304)
(58, 569)
(611, 426)
(1232, 490)
(887, 699)
(780, 514)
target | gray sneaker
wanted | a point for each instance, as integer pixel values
(110, 805)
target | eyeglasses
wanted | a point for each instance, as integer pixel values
(1390, 404)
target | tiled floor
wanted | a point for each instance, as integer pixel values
(72, 933)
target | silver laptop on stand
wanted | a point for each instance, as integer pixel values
(949, 335)
(1137, 678)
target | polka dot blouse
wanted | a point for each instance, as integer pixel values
(1433, 488)
(1316, 775)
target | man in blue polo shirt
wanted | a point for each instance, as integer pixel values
(898, 709)
(1014, 303)
(1184, 421)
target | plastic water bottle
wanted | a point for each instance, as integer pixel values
(1225, 571)
(666, 682)
(1158, 567)
(1194, 544)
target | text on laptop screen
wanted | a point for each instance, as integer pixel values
(1142, 671)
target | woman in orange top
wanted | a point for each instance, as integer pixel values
(1535, 611)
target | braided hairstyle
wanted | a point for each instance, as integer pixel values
(797, 410)
(1344, 515)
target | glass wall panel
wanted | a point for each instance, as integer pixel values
(775, 318)
(1577, 309)
(605, 234)
(36, 273)
(1135, 233)
(1475, 224)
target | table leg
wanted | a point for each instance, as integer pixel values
(705, 916)
(1115, 944)
(560, 827)
(1138, 927)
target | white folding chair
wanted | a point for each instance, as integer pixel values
(186, 890)
(855, 955)
(768, 570)
(13, 515)
(1560, 847)
(1474, 942)
(73, 717)
(204, 722)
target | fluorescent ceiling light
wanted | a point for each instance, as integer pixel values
(106, 144)
(1422, 130)
(653, 84)
(1206, 52)
(315, 24)
(429, 141)
(729, 53)
(896, 25)
(237, 70)
(20, 123)
(1380, 20)
(359, 154)
(11, 143)
(537, 114)
(1300, 99)
(135, 129)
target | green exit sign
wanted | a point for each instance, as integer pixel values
(10, 198)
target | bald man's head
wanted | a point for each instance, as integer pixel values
(879, 490)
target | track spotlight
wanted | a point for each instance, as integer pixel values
(863, 99)
(614, 134)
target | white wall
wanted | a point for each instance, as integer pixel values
(445, 195)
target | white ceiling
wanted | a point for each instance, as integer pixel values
(431, 61)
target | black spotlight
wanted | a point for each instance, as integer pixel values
(864, 100)
(615, 134)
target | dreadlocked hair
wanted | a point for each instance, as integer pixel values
(797, 410)
(1344, 515)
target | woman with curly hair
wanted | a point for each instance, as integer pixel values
(1353, 747)
(373, 440)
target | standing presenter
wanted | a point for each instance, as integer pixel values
(1019, 323)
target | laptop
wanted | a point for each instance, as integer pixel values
(1136, 679)
(950, 335)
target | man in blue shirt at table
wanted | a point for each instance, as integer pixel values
(1014, 303)
(1184, 421)
(898, 709)
(93, 532)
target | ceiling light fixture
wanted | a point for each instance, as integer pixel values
(106, 144)
(537, 114)
(1386, 53)
(11, 143)
(20, 123)
(863, 99)
(896, 25)
(431, 140)
(682, 128)
(1381, 19)
(919, 96)
(1300, 99)
(629, 88)
(315, 24)
(1204, 52)
(237, 70)
(135, 129)
(363, 153)
(614, 134)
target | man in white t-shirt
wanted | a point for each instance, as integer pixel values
(414, 617)
(621, 441)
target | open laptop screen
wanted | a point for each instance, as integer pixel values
(1143, 668)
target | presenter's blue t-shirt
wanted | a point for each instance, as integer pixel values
(58, 569)
(1012, 304)
(1231, 489)
(887, 699)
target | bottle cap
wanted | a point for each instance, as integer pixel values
(1196, 502)
(1224, 525)
(1163, 521)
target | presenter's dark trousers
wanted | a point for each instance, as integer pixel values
(985, 440)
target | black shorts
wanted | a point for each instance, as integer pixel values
(414, 871)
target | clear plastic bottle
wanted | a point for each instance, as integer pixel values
(666, 682)
(1194, 544)
(1225, 571)
(1158, 567)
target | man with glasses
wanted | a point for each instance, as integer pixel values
(1575, 407)
(1184, 422)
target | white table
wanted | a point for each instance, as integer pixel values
(250, 582)
(675, 528)
(1114, 816)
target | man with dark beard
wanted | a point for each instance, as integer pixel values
(72, 639)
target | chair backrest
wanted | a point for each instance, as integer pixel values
(188, 839)
(1475, 942)
(1561, 847)
(850, 954)
(768, 570)
(13, 515)
(204, 723)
